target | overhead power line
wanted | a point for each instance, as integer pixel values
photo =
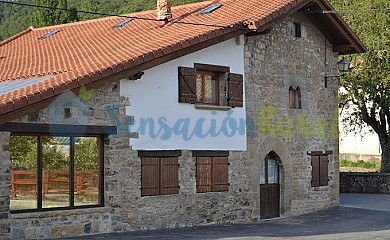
(115, 15)
(384, 10)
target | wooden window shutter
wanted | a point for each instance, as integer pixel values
(187, 85)
(221, 174)
(150, 179)
(315, 171)
(203, 174)
(169, 175)
(323, 181)
(236, 90)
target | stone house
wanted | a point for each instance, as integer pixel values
(216, 113)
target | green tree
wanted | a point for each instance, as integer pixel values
(14, 19)
(55, 153)
(366, 88)
(24, 152)
(86, 154)
(48, 17)
(118, 6)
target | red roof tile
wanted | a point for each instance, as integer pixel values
(87, 51)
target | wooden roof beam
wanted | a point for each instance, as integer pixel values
(343, 48)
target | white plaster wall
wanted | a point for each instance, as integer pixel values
(155, 96)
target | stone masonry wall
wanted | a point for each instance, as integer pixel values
(125, 209)
(187, 208)
(273, 63)
(91, 107)
(270, 70)
(358, 182)
(354, 157)
(5, 222)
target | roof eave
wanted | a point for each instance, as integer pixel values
(10, 39)
(345, 41)
(72, 82)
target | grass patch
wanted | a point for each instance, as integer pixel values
(360, 163)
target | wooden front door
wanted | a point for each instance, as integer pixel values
(269, 188)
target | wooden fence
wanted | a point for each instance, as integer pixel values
(24, 182)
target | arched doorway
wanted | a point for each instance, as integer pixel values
(270, 187)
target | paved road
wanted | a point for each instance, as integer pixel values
(379, 202)
(360, 216)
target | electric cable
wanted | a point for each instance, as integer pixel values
(384, 10)
(116, 15)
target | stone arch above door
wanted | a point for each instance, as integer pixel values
(258, 152)
(270, 174)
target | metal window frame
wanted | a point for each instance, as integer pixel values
(71, 206)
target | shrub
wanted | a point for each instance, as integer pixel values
(360, 163)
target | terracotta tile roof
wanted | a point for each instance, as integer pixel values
(87, 51)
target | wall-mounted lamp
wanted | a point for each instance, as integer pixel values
(343, 66)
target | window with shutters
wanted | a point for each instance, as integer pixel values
(212, 171)
(159, 172)
(210, 85)
(319, 164)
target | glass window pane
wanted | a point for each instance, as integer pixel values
(210, 89)
(199, 87)
(56, 175)
(86, 179)
(24, 188)
(207, 88)
(293, 100)
(262, 172)
(299, 104)
(273, 171)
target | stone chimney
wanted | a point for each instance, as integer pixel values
(164, 10)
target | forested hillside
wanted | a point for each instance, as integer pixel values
(14, 19)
